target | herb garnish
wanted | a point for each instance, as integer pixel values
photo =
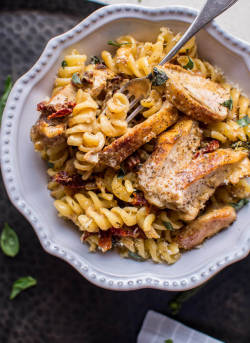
(95, 60)
(189, 65)
(238, 205)
(240, 145)
(22, 284)
(228, 103)
(64, 64)
(135, 256)
(76, 80)
(50, 165)
(159, 77)
(121, 173)
(244, 121)
(7, 88)
(175, 304)
(169, 341)
(168, 226)
(9, 241)
(118, 45)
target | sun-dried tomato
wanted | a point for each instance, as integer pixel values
(139, 199)
(61, 113)
(210, 147)
(134, 232)
(105, 240)
(72, 181)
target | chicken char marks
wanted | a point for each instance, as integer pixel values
(172, 178)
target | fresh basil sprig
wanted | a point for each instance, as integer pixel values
(9, 241)
(64, 64)
(244, 121)
(7, 88)
(189, 65)
(238, 205)
(22, 284)
(169, 341)
(159, 77)
(228, 103)
(168, 226)
(116, 44)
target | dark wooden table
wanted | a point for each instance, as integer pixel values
(64, 307)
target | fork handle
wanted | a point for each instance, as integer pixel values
(211, 10)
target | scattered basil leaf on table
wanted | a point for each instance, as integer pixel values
(169, 341)
(228, 103)
(7, 88)
(238, 205)
(76, 80)
(159, 77)
(244, 121)
(189, 65)
(64, 64)
(9, 241)
(95, 60)
(22, 284)
(176, 303)
(116, 44)
(168, 226)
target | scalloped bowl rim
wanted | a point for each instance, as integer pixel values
(18, 95)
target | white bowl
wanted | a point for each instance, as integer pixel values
(24, 172)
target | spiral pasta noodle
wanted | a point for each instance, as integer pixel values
(113, 120)
(72, 63)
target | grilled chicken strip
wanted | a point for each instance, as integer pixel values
(170, 178)
(205, 226)
(194, 95)
(115, 153)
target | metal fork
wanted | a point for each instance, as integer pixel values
(139, 88)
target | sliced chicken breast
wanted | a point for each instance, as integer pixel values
(170, 178)
(115, 153)
(204, 227)
(194, 95)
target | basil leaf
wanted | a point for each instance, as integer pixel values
(118, 45)
(189, 65)
(168, 226)
(135, 256)
(238, 205)
(95, 60)
(76, 80)
(159, 77)
(176, 303)
(64, 64)
(244, 121)
(9, 241)
(7, 88)
(169, 341)
(22, 284)
(121, 174)
(50, 165)
(228, 103)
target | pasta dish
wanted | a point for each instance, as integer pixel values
(167, 180)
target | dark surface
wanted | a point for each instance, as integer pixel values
(64, 307)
